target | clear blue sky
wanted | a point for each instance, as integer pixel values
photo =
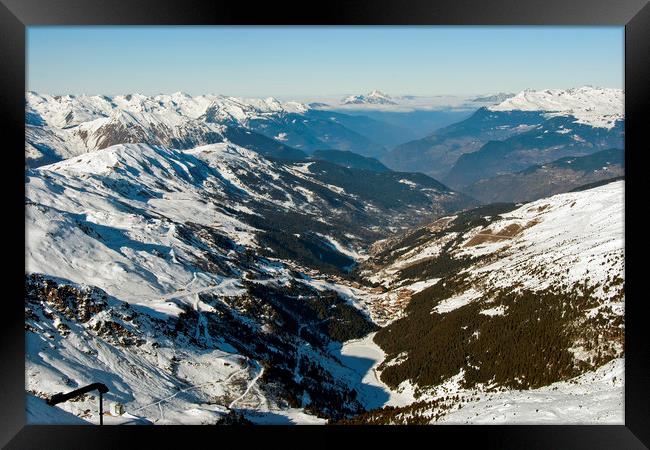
(320, 61)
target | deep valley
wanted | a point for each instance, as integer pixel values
(218, 260)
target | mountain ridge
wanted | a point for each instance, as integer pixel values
(543, 180)
(595, 112)
(59, 127)
(374, 97)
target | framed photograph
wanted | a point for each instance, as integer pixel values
(368, 218)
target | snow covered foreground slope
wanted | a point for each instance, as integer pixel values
(180, 279)
(539, 286)
(595, 397)
(144, 236)
(159, 273)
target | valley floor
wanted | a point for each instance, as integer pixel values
(364, 356)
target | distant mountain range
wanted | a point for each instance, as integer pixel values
(58, 127)
(547, 179)
(372, 98)
(554, 138)
(495, 98)
(437, 153)
(533, 127)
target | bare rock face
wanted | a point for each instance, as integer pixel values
(77, 303)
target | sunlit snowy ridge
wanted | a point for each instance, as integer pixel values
(598, 107)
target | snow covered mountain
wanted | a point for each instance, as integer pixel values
(597, 107)
(65, 126)
(70, 110)
(279, 198)
(212, 271)
(187, 253)
(59, 127)
(476, 303)
(533, 127)
(372, 98)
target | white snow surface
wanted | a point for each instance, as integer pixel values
(571, 236)
(61, 111)
(375, 97)
(343, 249)
(456, 302)
(592, 398)
(598, 107)
(85, 223)
(363, 356)
(76, 124)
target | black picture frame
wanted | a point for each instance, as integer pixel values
(16, 15)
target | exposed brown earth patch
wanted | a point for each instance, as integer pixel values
(440, 224)
(506, 233)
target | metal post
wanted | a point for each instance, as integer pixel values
(61, 397)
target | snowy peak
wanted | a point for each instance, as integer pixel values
(63, 126)
(68, 110)
(494, 98)
(377, 94)
(62, 111)
(598, 107)
(241, 111)
(375, 97)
